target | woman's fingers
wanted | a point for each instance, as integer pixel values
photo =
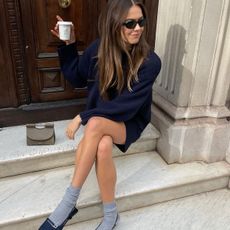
(72, 128)
(59, 18)
(70, 134)
(70, 131)
(55, 33)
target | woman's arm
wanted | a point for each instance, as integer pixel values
(73, 67)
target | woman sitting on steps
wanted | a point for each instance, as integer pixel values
(119, 70)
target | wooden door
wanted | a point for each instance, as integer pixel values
(8, 94)
(39, 16)
(29, 66)
(152, 9)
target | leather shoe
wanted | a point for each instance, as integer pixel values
(49, 225)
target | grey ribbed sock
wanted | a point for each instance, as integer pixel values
(110, 217)
(65, 206)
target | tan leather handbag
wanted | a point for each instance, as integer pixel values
(40, 134)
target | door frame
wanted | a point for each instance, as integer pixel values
(29, 47)
(14, 50)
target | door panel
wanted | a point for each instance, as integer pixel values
(83, 13)
(46, 80)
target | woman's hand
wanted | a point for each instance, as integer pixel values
(73, 126)
(55, 32)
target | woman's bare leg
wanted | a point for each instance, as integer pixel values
(78, 156)
(96, 128)
(85, 157)
(106, 176)
(105, 169)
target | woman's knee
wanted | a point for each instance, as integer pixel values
(105, 147)
(94, 124)
(100, 126)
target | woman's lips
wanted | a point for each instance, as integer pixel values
(135, 35)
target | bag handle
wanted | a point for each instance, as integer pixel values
(40, 125)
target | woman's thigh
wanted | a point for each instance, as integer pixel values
(104, 126)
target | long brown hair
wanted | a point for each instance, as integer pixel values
(113, 47)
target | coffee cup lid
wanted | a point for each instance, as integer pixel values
(66, 23)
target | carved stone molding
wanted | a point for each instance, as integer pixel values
(187, 140)
(17, 49)
(192, 42)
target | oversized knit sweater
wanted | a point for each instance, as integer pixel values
(133, 108)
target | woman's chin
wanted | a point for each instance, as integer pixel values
(133, 41)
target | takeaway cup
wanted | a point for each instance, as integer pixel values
(64, 30)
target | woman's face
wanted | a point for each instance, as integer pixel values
(132, 35)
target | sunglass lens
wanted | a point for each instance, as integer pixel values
(141, 22)
(130, 24)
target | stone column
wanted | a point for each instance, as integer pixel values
(191, 93)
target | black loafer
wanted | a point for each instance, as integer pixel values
(49, 225)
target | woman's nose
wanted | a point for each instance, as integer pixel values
(137, 27)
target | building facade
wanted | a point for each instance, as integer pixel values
(191, 98)
(192, 94)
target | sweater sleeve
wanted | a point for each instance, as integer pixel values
(126, 105)
(75, 68)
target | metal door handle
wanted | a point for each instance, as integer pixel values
(64, 3)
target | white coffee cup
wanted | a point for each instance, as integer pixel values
(64, 30)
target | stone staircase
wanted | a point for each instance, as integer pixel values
(34, 179)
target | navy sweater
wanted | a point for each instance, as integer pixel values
(133, 108)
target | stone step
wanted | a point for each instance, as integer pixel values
(143, 179)
(207, 211)
(18, 158)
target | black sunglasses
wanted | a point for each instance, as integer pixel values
(132, 23)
